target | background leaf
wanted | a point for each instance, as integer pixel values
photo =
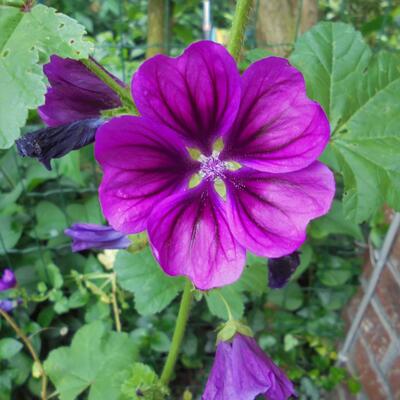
(96, 359)
(140, 274)
(26, 38)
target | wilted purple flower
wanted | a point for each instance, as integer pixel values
(241, 371)
(281, 269)
(93, 236)
(266, 123)
(48, 143)
(7, 280)
(72, 111)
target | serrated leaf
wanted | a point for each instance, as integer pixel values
(140, 274)
(26, 37)
(290, 297)
(96, 360)
(360, 94)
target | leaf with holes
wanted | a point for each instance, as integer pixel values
(28, 39)
(361, 95)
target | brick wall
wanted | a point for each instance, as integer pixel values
(375, 354)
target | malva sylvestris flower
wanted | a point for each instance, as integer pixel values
(267, 126)
(8, 281)
(241, 371)
(92, 236)
(72, 110)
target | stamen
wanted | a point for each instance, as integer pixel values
(212, 167)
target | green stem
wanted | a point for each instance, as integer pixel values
(29, 346)
(238, 27)
(122, 92)
(180, 326)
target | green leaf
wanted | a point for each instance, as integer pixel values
(360, 94)
(253, 279)
(335, 271)
(290, 297)
(10, 232)
(51, 221)
(335, 223)
(140, 274)
(306, 254)
(9, 347)
(26, 37)
(96, 360)
(232, 296)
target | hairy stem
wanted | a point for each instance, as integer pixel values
(238, 27)
(29, 346)
(114, 302)
(180, 327)
(122, 92)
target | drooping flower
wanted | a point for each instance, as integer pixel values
(281, 269)
(268, 126)
(241, 371)
(92, 236)
(7, 280)
(72, 111)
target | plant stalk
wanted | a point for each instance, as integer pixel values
(123, 92)
(239, 26)
(180, 327)
(29, 346)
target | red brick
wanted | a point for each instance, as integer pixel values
(369, 378)
(388, 292)
(367, 268)
(351, 309)
(375, 334)
(394, 378)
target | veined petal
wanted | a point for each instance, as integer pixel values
(268, 213)
(220, 383)
(190, 236)
(143, 163)
(75, 93)
(196, 94)
(278, 129)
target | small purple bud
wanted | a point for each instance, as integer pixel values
(93, 236)
(7, 305)
(48, 143)
(7, 280)
(281, 269)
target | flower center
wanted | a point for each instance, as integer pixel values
(212, 167)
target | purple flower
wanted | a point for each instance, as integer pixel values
(268, 127)
(93, 236)
(72, 111)
(8, 305)
(281, 269)
(241, 371)
(7, 280)
(75, 93)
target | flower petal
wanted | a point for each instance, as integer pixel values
(278, 129)
(220, 384)
(269, 213)
(190, 236)
(7, 280)
(256, 374)
(75, 93)
(196, 94)
(143, 163)
(281, 269)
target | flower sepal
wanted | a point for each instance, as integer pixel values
(229, 329)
